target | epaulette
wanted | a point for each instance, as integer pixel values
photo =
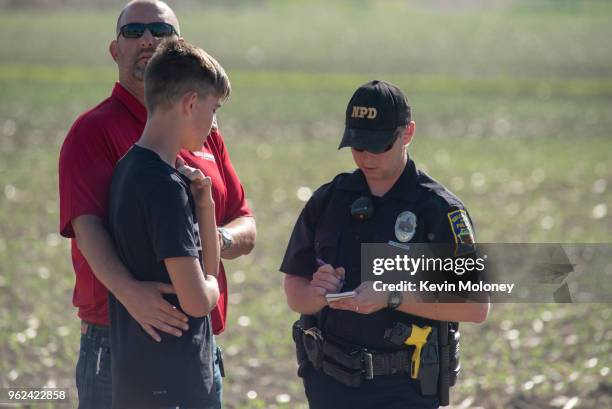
(439, 190)
(320, 197)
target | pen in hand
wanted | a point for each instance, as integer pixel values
(321, 263)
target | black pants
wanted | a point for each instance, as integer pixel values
(384, 392)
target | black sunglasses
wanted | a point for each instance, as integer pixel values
(387, 149)
(136, 30)
(398, 133)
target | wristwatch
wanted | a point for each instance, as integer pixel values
(226, 238)
(395, 299)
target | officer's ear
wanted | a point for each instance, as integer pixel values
(408, 133)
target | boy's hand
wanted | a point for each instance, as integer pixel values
(200, 185)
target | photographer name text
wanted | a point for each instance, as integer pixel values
(427, 286)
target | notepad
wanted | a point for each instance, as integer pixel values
(340, 296)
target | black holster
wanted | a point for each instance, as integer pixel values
(430, 365)
(297, 332)
(449, 359)
(454, 366)
(439, 360)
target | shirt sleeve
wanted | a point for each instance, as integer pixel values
(300, 256)
(85, 172)
(171, 222)
(237, 205)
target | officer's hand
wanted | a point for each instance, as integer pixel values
(201, 186)
(148, 307)
(366, 301)
(328, 278)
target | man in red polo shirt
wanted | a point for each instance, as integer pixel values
(96, 141)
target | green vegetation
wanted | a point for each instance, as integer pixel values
(513, 114)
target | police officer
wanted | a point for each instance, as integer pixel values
(344, 358)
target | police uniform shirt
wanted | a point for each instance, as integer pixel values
(326, 230)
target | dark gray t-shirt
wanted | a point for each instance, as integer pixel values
(151, 217)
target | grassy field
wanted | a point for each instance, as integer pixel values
(513, 114)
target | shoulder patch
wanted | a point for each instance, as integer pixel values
(461, 227)
(462, 231)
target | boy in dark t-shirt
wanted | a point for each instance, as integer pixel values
(163, 224)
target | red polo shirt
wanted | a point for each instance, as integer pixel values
(94, 144)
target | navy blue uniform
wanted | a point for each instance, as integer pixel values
(152, 218)
(326, 230)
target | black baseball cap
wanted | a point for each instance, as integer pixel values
(373, 114)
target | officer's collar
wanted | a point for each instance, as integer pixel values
(403, 189)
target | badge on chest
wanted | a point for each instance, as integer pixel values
(405, 226)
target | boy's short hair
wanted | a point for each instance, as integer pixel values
(177, 68)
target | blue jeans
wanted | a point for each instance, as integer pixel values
(93, 370)
(217, 379)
